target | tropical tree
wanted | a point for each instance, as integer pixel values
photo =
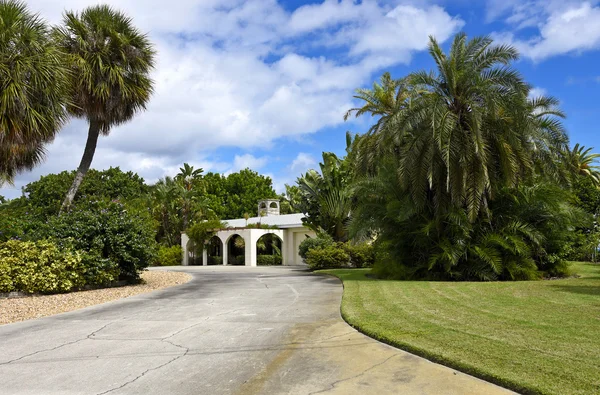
(326, 197)
(33, 89)
(188, 178)
(465, 139)
(112, 61)
(580, 161)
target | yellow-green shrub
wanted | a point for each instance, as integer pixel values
(169, 256)
(39, 266)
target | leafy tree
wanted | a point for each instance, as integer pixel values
(238, 193)
(111, 60)
(188, 179)
(33, 89)
(47, 193)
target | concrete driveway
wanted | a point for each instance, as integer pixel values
(231, 330)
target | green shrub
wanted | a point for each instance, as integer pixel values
(313, 242)
(268, 260)
(361, 255)
(331, 256)
(215, 260)
(40, 266)
(169, 256)
(107, 230)
(237, 260)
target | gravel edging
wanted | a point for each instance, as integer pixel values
(26, 308)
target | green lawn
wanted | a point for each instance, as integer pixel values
(532, 337)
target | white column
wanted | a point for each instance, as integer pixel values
(225, 250)
(184, 243)
(250, 236)
(205, 256)
(284, 246)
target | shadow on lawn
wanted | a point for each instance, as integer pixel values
(579, 289)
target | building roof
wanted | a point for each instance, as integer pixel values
(281, 221)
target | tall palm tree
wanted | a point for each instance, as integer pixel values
(112, 61)
(188, 177)
(33, 83)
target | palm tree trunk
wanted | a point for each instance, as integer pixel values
(84, 165)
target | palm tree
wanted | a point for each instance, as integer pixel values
(33, 89)
(469, 128)
(111, 60)
(188, 177)
(326, 197)
(582, 162)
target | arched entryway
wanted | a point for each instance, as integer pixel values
(236, 250)
(194, 256)
(215, 251)
(268, 250)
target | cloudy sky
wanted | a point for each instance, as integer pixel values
(265, 83)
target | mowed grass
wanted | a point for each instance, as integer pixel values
(533, 337)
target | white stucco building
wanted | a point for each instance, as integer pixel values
(225, 247)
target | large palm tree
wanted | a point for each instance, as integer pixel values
(111, 61)
(469, 128)
(33, 82)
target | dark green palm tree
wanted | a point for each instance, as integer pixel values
(112, 61)
(469, 128)
(33, 83)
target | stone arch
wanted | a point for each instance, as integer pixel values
(214, 251)
(263, 205)
(236, 251)
(269, 248)
(273, 205)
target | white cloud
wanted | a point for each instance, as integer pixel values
(235, 73)
(563, 27)
(241, 162)
(302, 163)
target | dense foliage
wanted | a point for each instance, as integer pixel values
(47, 193)
(331, 256)
(110, 232)
(39, 267)
(463, 176)
(169, 256)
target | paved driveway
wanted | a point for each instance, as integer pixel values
(231, 330)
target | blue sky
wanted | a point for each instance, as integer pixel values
(264, 83)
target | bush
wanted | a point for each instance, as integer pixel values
(215, 260)
(237, 260)
(40, 266)
(331, 256)
(169, 256)
(268, 260)
(313, 242)
(107, 231)
(361, 255)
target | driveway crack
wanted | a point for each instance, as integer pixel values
(57, 347)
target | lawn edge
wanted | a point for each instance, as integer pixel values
(430, 356)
